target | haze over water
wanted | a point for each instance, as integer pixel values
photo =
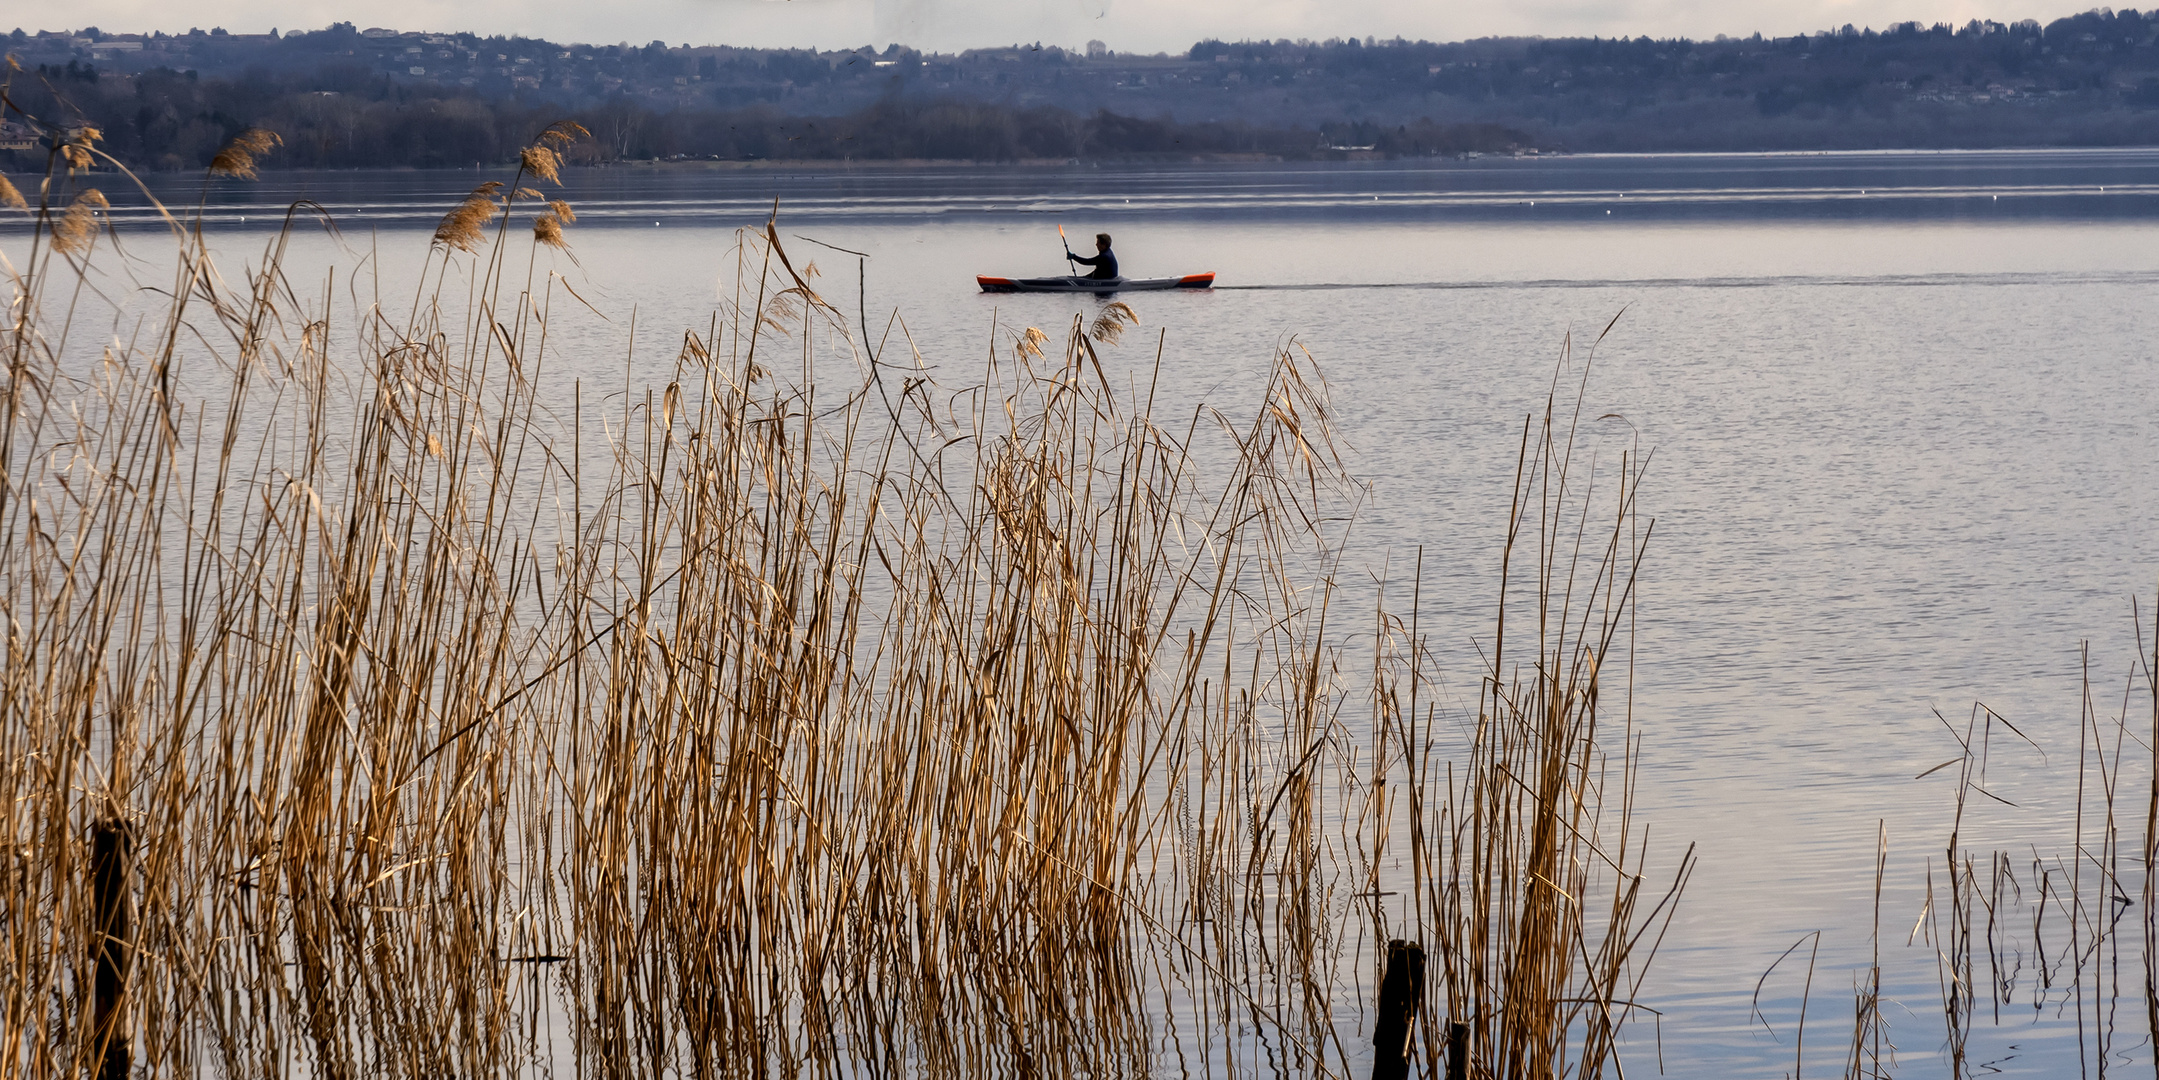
(1903, 410)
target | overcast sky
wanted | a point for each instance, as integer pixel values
(1125, 25)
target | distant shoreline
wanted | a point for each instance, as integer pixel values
(1042, 164)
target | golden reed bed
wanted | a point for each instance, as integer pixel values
(377, 703)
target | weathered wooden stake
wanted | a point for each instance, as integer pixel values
(1457, 1052)
(1400, 995)
(112, 942)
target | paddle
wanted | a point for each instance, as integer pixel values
(1068, 249)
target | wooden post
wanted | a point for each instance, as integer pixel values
(1400, 994)
(112, 943)
(1457, 1052)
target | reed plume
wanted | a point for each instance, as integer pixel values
(77, 227)
(548, 225)
(1029, 343)
(78, 149)
(547, 229)
(10, 197)
(237, 157)
(1110, 323)
(543, 158)
(463, 228)
(542, 162)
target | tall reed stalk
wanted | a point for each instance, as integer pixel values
(466, 725)
(1538, 897)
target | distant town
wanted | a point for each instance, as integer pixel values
(346, 96)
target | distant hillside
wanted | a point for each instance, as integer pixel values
(345, 96)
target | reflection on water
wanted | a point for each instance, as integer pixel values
(1902, 415)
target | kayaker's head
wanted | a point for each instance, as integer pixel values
(1101, 241)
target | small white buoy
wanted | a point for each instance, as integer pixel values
(655, 224)
(1607, 212)
(1997, 198)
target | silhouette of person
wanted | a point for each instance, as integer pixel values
(1104, 263)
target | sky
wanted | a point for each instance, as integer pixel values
(1143, 26)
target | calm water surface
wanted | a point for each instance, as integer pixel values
(1904, 411)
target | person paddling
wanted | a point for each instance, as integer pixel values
(1104, 263)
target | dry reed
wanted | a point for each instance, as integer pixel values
(236, 158)
(2038, 934)
(547, 229)
(990, 727)
(76, 228)
(464, 227)
(2047, 929)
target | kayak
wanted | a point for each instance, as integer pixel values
(1092, 285)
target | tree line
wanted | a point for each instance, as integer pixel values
(344, 98)
(169, 120)
(2090, 79)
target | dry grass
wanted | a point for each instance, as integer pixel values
(465, 726)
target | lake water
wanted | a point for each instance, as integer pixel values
(1904, 411)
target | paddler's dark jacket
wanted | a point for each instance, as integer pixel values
(1105, 264)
